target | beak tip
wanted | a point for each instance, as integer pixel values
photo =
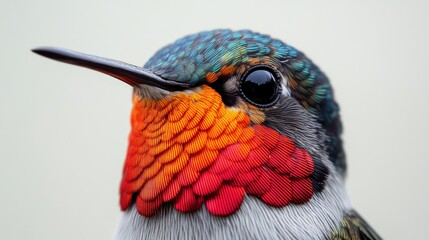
(43, 51)
(36, 50)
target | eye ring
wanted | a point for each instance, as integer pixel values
(264, 79)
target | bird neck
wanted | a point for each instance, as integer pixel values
(255, 220)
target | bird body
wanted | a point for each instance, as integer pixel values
(234, 135)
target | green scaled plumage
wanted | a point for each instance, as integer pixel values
(353, 227)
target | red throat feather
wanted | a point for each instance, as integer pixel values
(189, 149)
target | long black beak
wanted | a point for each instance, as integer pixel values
(125, 72)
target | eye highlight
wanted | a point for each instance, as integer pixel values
(260, 86)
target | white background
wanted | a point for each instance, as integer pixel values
(63, 129)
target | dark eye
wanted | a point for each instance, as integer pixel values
(260, 86)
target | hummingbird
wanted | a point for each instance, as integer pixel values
(234, 135)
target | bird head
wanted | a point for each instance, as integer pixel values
(219, 115)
